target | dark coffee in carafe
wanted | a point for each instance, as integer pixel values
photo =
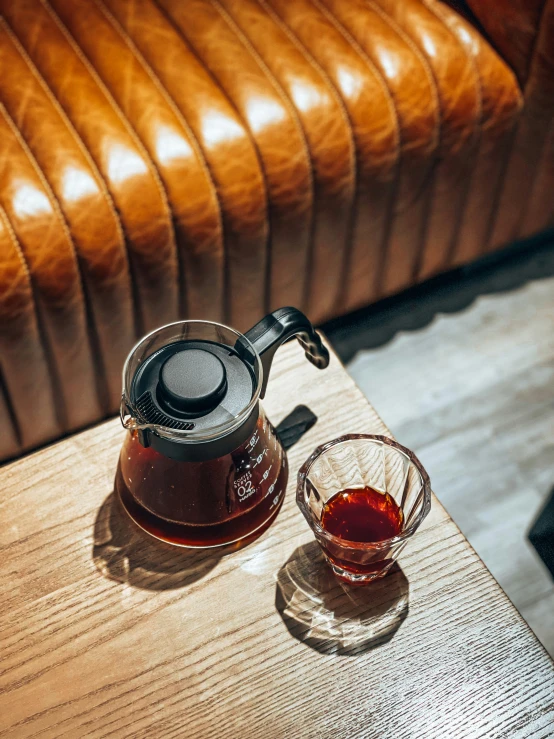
(201, 465)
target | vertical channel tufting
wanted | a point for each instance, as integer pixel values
(501, 103)
(524, 157)
(328, 137)
(10, 443)
(274, 128)
(49, 50)
(224, 142)
(24, 366)
(539, 213)
(173, 150)
(459, 99)
(216, 158)
(117, 153)
(46, 243)
(84, 34)
(539, 91)
(288, 264)
(414, 95)
(80, 191)
(25, 111)
(374, 123)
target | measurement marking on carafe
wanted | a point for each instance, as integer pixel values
(270, 489)
(275, 501)
(260, 457)
(253, 441)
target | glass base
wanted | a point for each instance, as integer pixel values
(353, 578)
(179, 535)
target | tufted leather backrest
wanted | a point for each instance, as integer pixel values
(220, 158)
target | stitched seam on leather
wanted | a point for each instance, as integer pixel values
(445, 14)
(126, 124)
(446, 17)
(263, 176)
(55, 387)
(506, 141)
(182, 120)
(393, 199)
(44, 182)
(10, 405)
(432, 181)
(510, 151)
(511, 136)
(96, 354)
(308, 287)
(102, 388)
(419, 55)
(59, 213)
(4, 216)
(11, 420)
(477, 133)
(371, 65)
(541, 158)
(543, 162)
(96, 173)
(297, 124)
(138, 319)
(504, 169)
(533, 50)
(322, 73)
(384, 246)
(495, 210)
(73, 132)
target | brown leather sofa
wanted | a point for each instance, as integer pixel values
(219, 158)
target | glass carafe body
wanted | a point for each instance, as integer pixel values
(201, 466)
(207, 503)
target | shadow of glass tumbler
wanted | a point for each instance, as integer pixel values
(357, 461)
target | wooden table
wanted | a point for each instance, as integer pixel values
(107, 633)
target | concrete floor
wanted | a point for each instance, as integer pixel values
(462, 371)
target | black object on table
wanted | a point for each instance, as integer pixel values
(295, 425)
(541, 534)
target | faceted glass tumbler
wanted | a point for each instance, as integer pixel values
(357, 461)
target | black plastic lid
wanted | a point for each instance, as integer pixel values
(192, 382)
(192, 385)
(207, 387)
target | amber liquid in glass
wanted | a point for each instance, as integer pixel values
(361, 515)
(204, 504)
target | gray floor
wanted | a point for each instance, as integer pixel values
(471, 391)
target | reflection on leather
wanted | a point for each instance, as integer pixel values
(213, 160)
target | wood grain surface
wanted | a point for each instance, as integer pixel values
(104, 632)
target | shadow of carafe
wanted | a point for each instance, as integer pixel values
(333, 617)
(122, 552)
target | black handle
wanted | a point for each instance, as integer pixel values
(273, 330)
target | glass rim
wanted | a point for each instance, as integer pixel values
(127, 408)
(405, 534)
